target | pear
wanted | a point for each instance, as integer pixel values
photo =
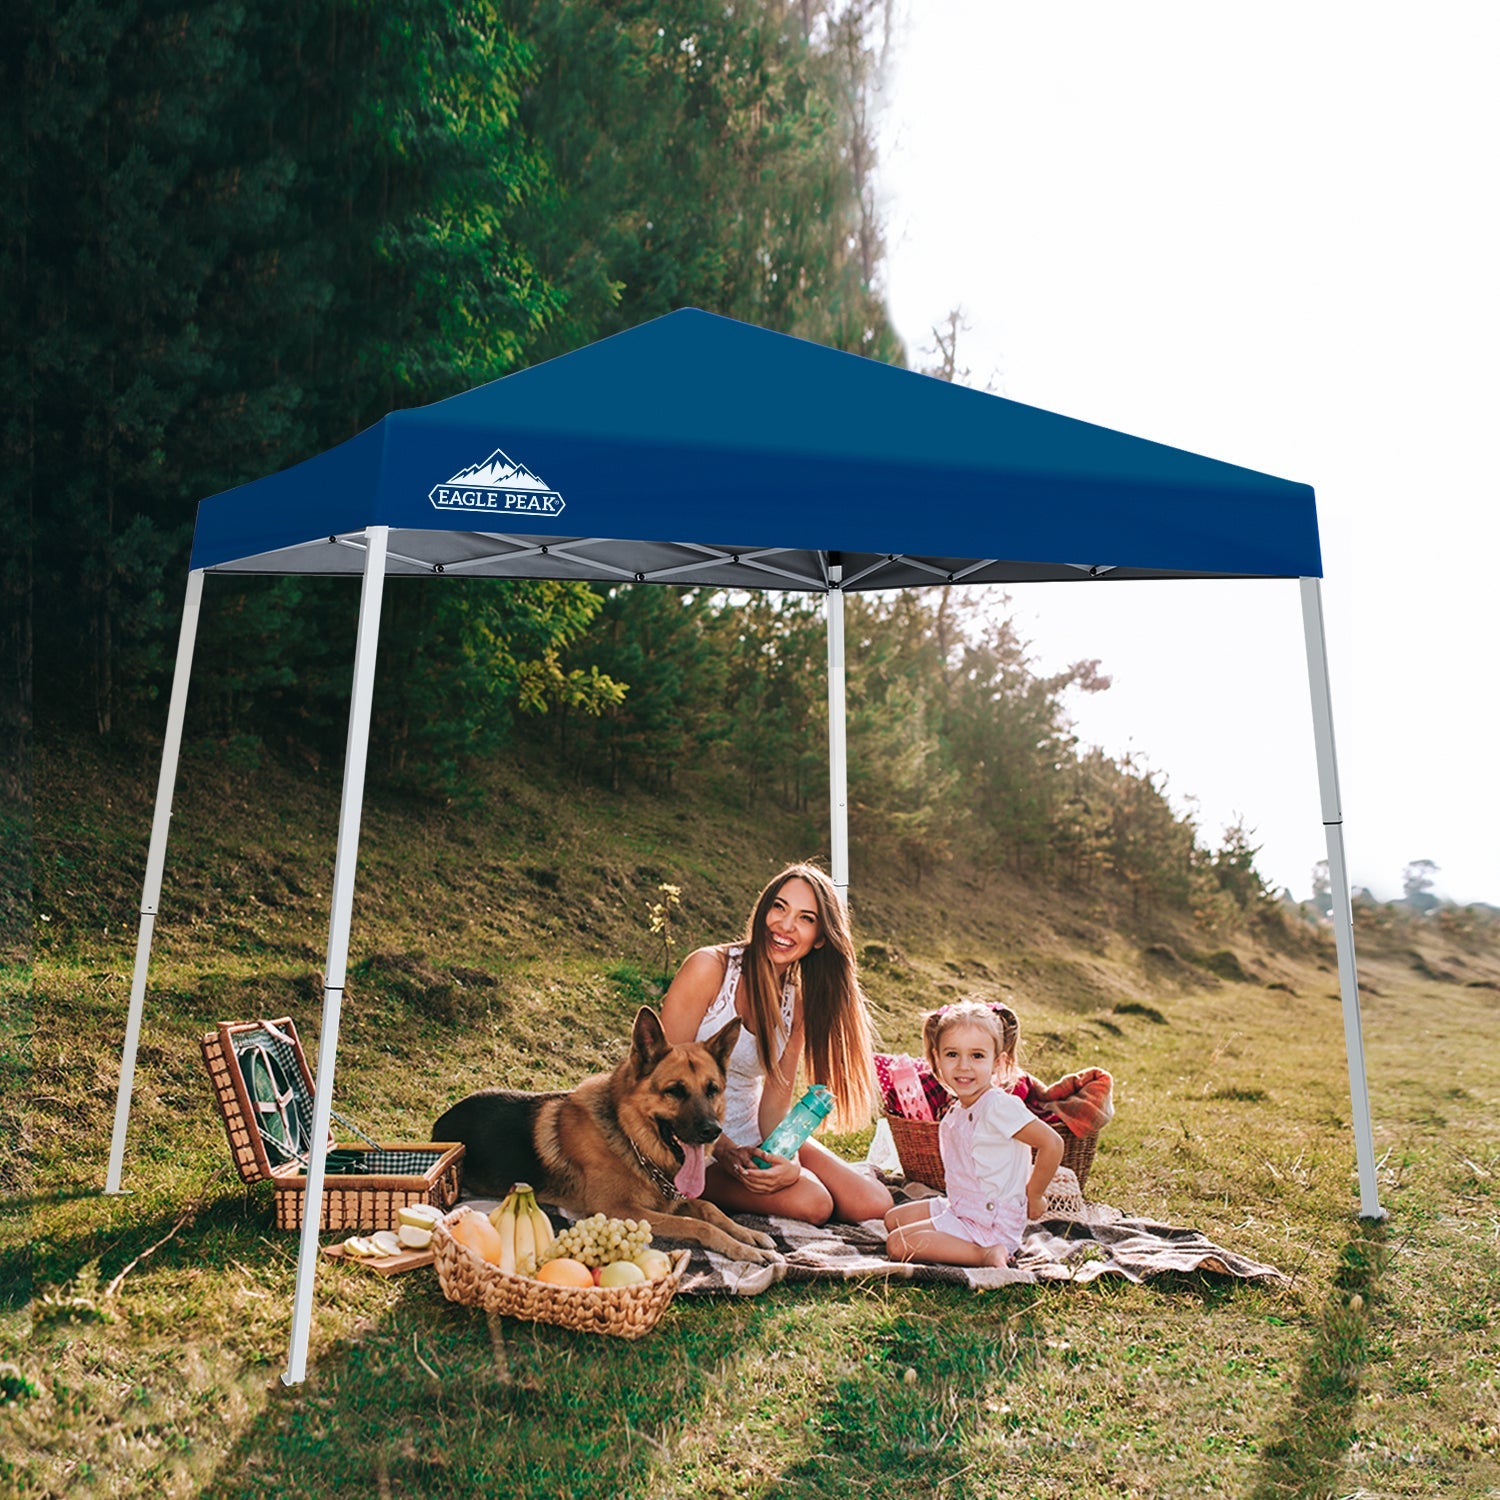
(621, 1273)
(655, 1263)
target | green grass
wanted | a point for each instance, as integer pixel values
(148, 1332)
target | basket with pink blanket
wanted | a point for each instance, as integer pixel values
(1078, 1106)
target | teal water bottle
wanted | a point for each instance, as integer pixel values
(806, 1115)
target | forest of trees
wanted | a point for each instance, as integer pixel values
(235, 235)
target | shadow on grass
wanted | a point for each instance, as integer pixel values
(18, 1275)
(23, 1202)
(1305, 1455)
(56, 1253)
(438, 1399)
(883, 1430)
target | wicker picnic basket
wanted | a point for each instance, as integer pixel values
(921, 1161)
(264, 1092)
(627, 1312)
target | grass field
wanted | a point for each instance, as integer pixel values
(146, 1334)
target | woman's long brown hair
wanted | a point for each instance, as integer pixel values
(839, 1041)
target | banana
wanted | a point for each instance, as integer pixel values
(541, 1225)
(525, 1244)
(506, 1225)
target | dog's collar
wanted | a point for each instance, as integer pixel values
(664, 1184)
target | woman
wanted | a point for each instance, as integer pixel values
(792, 981)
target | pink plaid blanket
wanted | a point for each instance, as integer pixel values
(1083, 1101)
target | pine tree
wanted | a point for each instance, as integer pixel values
(705, 153)
(245, 234)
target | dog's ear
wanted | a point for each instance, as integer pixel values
(721, 1043)
(648, 1042)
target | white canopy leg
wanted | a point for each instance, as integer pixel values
(838, 758)
(345, 861)
(1338, 879)
(156, 858)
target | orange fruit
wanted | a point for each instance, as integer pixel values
(476, 1233)
(565, 1272)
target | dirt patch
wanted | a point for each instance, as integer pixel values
(1146, 1012)
(1225, 962)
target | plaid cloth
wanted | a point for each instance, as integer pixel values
(380, 1163)
(280, 1104)
(1080, 1247)
(1081, 1102)
(1100, 1241)
(282, 1107)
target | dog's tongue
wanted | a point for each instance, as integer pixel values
(691, 1175)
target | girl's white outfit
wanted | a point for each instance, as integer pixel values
(986, 1169)
(746, 1077)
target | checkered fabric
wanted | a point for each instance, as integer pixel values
(381, 1163)
(283, 1111)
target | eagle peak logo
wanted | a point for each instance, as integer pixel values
(498, 485)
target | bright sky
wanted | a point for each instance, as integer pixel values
(1266, 234)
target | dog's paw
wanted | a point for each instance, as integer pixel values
(763, 1240)
(759, 1257)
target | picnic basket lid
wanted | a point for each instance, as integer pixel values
(265, 1092)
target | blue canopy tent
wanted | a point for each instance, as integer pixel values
(698, 450)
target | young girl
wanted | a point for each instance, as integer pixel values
(986, 1139)
(792, 980)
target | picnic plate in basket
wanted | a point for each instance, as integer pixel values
(383, 1265)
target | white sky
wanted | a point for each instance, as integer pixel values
(1266, 234)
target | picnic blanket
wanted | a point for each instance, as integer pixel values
(1081, 1247)
(1091, 1241)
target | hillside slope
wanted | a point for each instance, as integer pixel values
(509, 942)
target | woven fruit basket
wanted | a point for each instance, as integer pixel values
(627, 1312)
(921, 1161)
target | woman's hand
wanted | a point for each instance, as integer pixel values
(742, 1164)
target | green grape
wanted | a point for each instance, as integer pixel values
(598, 1240)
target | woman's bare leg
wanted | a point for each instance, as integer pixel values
(856, 1195)
(807, 1199)
(829, 1188)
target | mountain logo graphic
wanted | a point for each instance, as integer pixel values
(500, 485)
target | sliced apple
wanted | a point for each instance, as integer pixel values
(413, 1237)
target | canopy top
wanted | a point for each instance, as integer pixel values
(695, 449)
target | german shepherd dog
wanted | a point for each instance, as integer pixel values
(628, 1143)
